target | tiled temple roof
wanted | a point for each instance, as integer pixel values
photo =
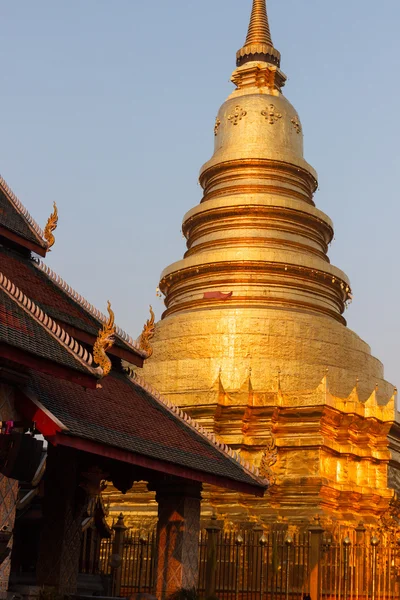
(57, 298)
(94, 312)
(25, 326)
(127, 415)
(211, 437)
(124, 413)
(15, 217)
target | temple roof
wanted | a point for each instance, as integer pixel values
(126, 416)
(25, 327)
(16, 222)
(62, 303)
(47, 288)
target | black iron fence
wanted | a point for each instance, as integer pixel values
(274, 565)
(136, 570)
(254, 564)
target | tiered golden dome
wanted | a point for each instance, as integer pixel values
(255, 290)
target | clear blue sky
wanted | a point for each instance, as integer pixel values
(108, 107)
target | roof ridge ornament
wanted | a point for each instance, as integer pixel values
(148, 334)
(51, 226)
(258, 45)
(104, 342)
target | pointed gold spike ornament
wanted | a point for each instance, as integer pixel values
(105, 341)
(51, 225)
(258, 45)
(259, 32)
(148, 334)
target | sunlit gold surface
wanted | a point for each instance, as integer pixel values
(253, 338)
(51, 226)
(104, 341)
(148, 334)
(258, 41)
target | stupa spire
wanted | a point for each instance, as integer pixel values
(259, 32)
(258, 45)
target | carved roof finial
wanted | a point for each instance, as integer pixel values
(258, 45)
(51, 225)
(104, 342)
(148, 334)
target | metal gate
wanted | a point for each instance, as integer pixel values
(259, 565)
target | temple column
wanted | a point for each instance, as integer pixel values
(316, 531)
(8, 495)
(63, 507)
(8, 503)
(178, 529)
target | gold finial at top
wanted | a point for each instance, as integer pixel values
(259, 32)
(148, 334)
(51, 225)
(105, 340)
(258, 45)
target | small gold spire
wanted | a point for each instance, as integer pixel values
(51, 225)
(104, 342)
(258, 45)
(148, 334)
(259, 32)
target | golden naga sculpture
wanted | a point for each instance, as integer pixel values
(269, 459)
(51, 225)
(148, 334)
(104, 342)
(390, 520)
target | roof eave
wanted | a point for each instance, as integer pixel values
(57, 434)
(69, 440)
(129, 355)
(37, 363)
(21, 241)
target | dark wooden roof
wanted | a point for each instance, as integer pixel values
(17, 224)
(125, 416)
(59, 304)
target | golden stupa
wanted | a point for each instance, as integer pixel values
(253, 342)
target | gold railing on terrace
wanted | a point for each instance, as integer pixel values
(361, 565)
(271, 565)
(254, 565)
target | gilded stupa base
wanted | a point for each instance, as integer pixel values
(298, 395)
(323, 454)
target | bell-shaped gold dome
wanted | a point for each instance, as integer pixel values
(258, 122)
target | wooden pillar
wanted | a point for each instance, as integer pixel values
(178, 530)
(213, 530)
(63, 509)
(8, 495)
(8, 503)
(316, 532)
(117, 554)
